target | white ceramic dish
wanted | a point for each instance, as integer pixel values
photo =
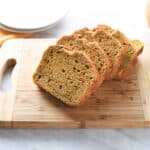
(31, 15)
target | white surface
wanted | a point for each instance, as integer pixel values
(31, 15)
(127, 15)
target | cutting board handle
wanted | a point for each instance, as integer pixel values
(8, 58)
(5, 64)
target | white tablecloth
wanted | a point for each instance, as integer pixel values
(127, 15)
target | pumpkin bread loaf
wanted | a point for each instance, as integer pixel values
(70, 76)
(96, 53)
(77, 65)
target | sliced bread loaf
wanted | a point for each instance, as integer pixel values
(92, 49)
(70, 76)
(132, 50)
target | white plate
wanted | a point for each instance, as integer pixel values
(31, 15)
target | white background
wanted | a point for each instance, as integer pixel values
(127, 15)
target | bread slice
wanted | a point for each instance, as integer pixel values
(112, 48)
(138, 45)
(110, 45)
(132, 50)
(92, 49)
(70, 76)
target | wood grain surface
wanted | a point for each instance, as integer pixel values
(116, 104)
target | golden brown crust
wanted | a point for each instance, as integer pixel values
(104, 28)
(85, 29)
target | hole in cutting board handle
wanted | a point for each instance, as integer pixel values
(5, 83)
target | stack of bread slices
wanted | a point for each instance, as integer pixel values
(78, 64)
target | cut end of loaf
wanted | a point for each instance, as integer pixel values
(69, 76)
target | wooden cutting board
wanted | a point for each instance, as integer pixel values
(116, 104)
